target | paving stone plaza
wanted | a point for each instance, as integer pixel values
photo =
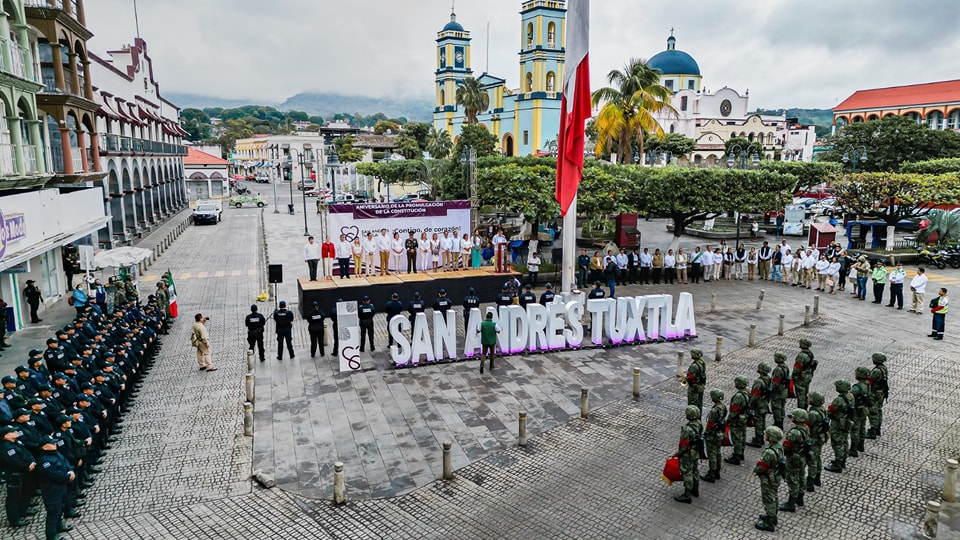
(181, 468)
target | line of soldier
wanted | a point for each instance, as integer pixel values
(797, 458)
(66, 406)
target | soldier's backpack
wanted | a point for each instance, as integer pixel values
(813, 363)
(881, 385)
(700, 444)
(781, 466)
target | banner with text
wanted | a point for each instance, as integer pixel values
(356, 220)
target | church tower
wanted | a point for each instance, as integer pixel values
(453, 65)
(541, 73)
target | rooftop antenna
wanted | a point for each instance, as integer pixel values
(136, 19)
(487, 69)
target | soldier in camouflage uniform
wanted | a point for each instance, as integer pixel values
(803, 368)
(819, 424)
(862, 396)
(881, 390)
(689, 455)
(163, 301)
(737, 419)
(796, 449)
(759, 394)
(696, 379)
(780, 385)
(130, 289)
(714, 432)
(768, 469)
(840, 412)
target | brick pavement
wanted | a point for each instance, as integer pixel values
(180, 468)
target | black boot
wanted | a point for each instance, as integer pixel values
(853, 451)
(810, 488)
(695, 491)
(860, 446)
(876, 431)
(708, 477)
(733, 459)
(816, 480)
(684, 498)
(755, 443)
(834, 467)
(789, 506)
(799, 499)
(871, 434)
(764, 524)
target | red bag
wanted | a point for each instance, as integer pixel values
(671, 470)
(791, 392)
(726, 438)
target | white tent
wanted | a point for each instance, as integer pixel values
(122, 256)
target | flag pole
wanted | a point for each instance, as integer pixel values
(569, 235)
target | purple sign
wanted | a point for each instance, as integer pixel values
(12, 228)
(399, 210)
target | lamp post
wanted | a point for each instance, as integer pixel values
(333, 162)
(656, 153)
(857, 154)
(302, 160)
(738, 158)
(273, 160)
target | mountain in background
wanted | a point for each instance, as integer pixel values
(194, 101)
(821, 118)
(327, 105)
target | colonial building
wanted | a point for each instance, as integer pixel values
(140, 144)
(207, 174)
(523, 119)
(936, 103)
(711, 118)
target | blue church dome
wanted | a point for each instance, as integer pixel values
(674, 62)
(453, 25)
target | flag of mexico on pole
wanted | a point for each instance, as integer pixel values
(575, 111)
(172, 290)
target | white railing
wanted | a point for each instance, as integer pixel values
(77, 158)
(56, 4)
(8, 166)
(30, 158)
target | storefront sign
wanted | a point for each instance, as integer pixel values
(13, 227)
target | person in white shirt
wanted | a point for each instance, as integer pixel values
(739, 258)
(833, 274)
(763, 266)
(646, 263)
(311, 256)
(383, 248)
(784, 246)
(718, 263)
(533, 268)
(370, 251)
(423, 252)
(446, 256)
(500, 250)
(752, 258)
(808, 265)
(466, 246)
(821, 267)
(707, 263)
(918, 286)
(454, 251)
(682, 260)
(622, 261)
(787, 266)
(435, 251)
(895, 279)
(356, 249)
(669, 267)
(396, 253)
(344, 252)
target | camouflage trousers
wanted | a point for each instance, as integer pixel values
(689, 469)
(695, 396)
(738, 436)
(859, 430)
(815, 465)
(759, 425)
(876, 411)
(839, 442)
(802, 388)
(796, 475)
(713, 453)
(778, 406)
(769, 486)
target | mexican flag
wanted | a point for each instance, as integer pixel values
(575, 104)
(172, 290)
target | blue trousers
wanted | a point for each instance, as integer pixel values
(939, 321)
(612, 284)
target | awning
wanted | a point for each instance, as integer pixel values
(121, 256)
(39, 249)
(108, 110)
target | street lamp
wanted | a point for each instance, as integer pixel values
(302, 161)
(656, 153)
(738, 158)
(333, 163)
(273, 160)
(858, 154)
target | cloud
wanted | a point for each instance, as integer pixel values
(788, 54)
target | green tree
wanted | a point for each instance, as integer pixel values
(383, 126)
(528, 191)
(629, 107)
(418, 131)
(678, 144)
(477, 137)
(891, 142)
(473, 98)
(196, 123)
(407, 147)
(892, 197)
(345, 150)
(808, 174)
(932, 166)
(439, 143)
(233, 130)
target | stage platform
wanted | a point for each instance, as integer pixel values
(484, 280)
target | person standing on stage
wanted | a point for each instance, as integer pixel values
(410, 246)
(328, 252)
(370, 252)
(356, 249)
(466, 246)
(476, 245)
(446, 256)
(500, 250)
(423, 252)
(311, 256)
(435, 251)
(396, 252)
(383, 248)
(344, 252)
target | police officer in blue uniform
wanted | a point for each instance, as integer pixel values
(547, 296)
(365, 313)
(417, 305)
(470, 301)
(596, 291)
(442, 304)
(283, 318)
(505, 297)
(393, 308)
(55, 476)
(527, 296)
(255, 322)
(315, 329)
(17, 463)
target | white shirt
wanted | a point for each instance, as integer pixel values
(446, 243)
(896, 276)
(454, 244)
(499, 239)
(822, 266)
(753, 257)
(681, 261)
(646, 260)
(766, 252)
(707, 258)
(423, 244)
(669, 261)
(533, 264)
(833, 269)
(784, 246)
(356, 249)
(808, 262)
(465, 246)
(919, 283)
(396, 245)
(787, 260)
(476, 242)
(344, 249)
(311, 251)
(370, 245)
(383, 242)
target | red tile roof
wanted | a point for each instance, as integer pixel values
(902, 96)
(196, 157)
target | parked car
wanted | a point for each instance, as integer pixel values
(816, 193)
(317, 193)
(306, 183)
(262, 178)
(241, 200)
(342, 198)
(406, 197)
(206, 213)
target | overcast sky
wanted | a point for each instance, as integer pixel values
(787, 53)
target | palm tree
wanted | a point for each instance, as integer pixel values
(439, 143)
(473, 98)
(629, 106)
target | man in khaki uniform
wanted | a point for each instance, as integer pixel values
(201, 340)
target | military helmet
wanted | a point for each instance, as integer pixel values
(805, 343)
(740, 381)
(799, 416)
(774, 434)
(862, 373)
(716, 394)
(692, 412)
(763, 368)
(696, 354)
(878, 358)
(815, 398)
(779, 357)
(842, 386)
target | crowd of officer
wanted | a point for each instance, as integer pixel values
(63, 408)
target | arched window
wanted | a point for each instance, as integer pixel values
(935, 120)
(953, 120)
(552, 35)
(551, 81)
(529, 35)
(529, 82)
(673, 128)
(443, 97)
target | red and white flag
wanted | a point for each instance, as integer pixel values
(575, 103)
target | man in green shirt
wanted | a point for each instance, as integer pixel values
(488, 339)
(879, 278)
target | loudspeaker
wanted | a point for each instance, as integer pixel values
(275, 273)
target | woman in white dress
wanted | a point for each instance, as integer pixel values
(466, 246)
(356, 249)
(476, 243)
(423, 252)
(435, 251)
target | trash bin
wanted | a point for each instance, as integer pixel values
(291, 209)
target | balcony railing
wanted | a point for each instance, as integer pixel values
(30, 158)
(125, 144)
(76, 155)
(137, 146)
(56, 158)
(8, 165)
(50, 84)
(44, 4)
(115, 144)
(18, 58)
